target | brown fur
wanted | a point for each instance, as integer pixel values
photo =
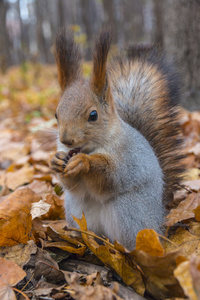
(99, 76)
(68, 58)
(154, 114)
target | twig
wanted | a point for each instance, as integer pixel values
(16, 290)
(91, 234)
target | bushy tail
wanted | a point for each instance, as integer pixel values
(146, 93)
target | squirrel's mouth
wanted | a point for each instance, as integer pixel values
(72, 153)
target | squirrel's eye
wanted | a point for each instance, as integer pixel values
(93, 116)
(56, 116)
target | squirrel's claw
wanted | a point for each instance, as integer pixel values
(77, 164)
(57, 161)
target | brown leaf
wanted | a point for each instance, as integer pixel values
(19, 177)
(56, 210)
(185, 239)
(195, 274)
(113, 259)
(46, 266)
(63, 239)
(158, 274)
(147, 240)
(40, 187)
(10, 275)
(97, 292)
(185, 209)
(19, 254)
(15, 218)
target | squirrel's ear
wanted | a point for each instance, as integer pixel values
(102, 46)
(68, 58)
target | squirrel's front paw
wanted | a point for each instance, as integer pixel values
(80, 163)
(57, 161)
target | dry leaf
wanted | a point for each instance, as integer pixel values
(57, 210)
(19, 177)
(185, 210)
(39, 208)
(182, 273)
(63, 239)
(113, 259)
(46, 266)
(185, 239)
(97, 292)
(147, 240)
(40, 187)
(20, 254)
(15, 218)
(158, 274)
(10, 275)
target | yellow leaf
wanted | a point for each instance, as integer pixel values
(147, 240)
(182, 273)
(113, 259)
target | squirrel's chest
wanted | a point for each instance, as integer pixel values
(98, 214)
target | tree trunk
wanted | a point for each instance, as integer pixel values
(4, 38)
(181, 32)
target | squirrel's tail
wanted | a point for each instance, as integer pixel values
(146, 93)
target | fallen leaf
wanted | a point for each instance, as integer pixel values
(15, 217)
(113, 259)
(39, 208)
(195, 149)
(57, 210)
(148, 241)
(158, 274)
(19, 254)
(185, 209)
(46, 266)
(63, 239)
(185, 239)
(19, 177)
(10, 275)
(193, 185)
(195, 274)
(97, 292)
(182, 273)
(40, 187)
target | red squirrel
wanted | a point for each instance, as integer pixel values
(119, 148)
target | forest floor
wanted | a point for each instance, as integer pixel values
(40, 257)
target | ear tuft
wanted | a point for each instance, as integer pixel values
(68, 58)
(100, 54)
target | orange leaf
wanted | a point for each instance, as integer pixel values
(15, 218)
(148, 241)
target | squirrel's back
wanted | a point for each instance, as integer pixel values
(146, 92)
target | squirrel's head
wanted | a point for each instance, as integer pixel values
(86, 114)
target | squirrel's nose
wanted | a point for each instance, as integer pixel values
(67, 142)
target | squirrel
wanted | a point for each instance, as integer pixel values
(119, 155)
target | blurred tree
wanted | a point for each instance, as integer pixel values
(4, 38)
(181, 38)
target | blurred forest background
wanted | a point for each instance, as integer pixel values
(28, 29)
